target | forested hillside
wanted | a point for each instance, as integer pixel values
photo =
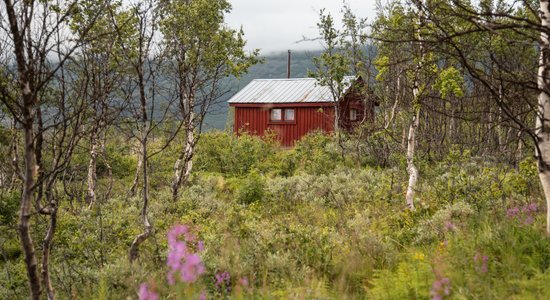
(120, 180)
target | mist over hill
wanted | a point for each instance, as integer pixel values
(274, 66)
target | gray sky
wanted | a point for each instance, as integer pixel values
(276, 25)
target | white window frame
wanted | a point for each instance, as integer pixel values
(293, 114)
(272, 114)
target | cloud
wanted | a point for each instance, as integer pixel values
(276, 25)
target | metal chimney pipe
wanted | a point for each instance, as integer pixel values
(288, 66)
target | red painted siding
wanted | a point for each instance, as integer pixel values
(308, 117)
(255, 120)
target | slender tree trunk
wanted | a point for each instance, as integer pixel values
(413, 127)
(501, 132)
(519, 149)
(26, 200)
(148, 228)
(108, 166)
(133, 189)
(337, 117)
(543, 114)
(411, 167)
(92, 174)
(452, 125)
(134, 248)
(182, 174)
(14, 155)
(47, 244)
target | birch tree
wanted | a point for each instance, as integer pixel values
(40, 45)
(333, 65)
(417, 90)
(542, 127)
(100, 71)
(203, 52)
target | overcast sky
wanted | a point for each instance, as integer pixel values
(276, 25)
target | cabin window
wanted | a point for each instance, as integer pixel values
(276, 114)
(289, 114)
(282, 115)
(353, 114)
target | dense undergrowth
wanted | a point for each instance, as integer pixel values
(306, 223)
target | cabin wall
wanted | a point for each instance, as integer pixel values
(255, 120)
(365, 111)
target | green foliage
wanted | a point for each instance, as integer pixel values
(252, 189)
(450, 81)
(302, 223)
(317, 153)
(224, 153)
(9, 206)
(410, 280)
(197, 37)
(444, 222)
(516, 258)
(382, 65)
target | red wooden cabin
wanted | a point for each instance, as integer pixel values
(293, 107)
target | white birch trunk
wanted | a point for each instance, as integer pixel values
(133, 189)
(92, 176)
(182, 174)
(543, 114)
(411, 168)
(413, 127)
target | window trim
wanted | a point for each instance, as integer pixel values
(283, 119)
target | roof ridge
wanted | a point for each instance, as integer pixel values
(284, 79)
(294, 79)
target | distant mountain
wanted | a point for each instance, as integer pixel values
(274, 66)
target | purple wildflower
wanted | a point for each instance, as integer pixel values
(223, 279)
(481, 263)
(200, 246)
(526, 214)
(440, 288)
(244, 281)
(180, 259)
(146, 294)
(533, 207)
(203, 295)
(512, 212)
(450, 226)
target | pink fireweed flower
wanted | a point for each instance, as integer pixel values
(146, 294)
(203, 295)
(440, 288)
(176, 232)
(450, 226)
(180, 259)
(223, 279)
(512, 212)
(244, 281)
(525, 215)
(481, 263)
(200, 246)
(192, 268)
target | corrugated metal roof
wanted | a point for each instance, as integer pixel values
(292, 90)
